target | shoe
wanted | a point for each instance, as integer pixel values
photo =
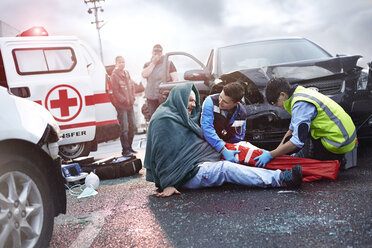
(127, 153)
(292, 178)
(132, 151)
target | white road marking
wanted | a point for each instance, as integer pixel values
(86, 237)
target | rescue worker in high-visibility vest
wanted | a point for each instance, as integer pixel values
(332, 130)
(223, 119)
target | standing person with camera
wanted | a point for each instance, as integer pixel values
(153, 71)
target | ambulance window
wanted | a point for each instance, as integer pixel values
(59, 60)
(3, 81)
(44, 60)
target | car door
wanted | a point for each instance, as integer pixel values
(52, 73)
(189, 69)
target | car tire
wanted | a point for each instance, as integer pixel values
(26, 202)
(72, 151)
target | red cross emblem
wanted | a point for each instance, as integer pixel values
(64, 102)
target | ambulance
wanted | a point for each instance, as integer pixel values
(63, 74)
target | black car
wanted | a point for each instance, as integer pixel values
(298, 60)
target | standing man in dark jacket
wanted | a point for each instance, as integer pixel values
(223, 119)
(123, 89)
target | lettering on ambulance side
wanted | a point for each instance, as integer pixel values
(74, 134)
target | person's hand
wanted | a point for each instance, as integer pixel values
(168, 191)
(155, 59)
(263, 159)
(229, 155)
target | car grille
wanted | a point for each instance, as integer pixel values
(266, 136)
(329, 87)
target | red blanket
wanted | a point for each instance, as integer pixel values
(312, 169)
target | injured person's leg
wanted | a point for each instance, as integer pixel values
(312, 169)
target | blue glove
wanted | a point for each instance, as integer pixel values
(229, 155)
(263, 159)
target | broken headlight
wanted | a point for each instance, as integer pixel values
(51, 134)
(363, 80)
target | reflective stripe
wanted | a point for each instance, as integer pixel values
(238, 123)
(338, 145)
(333, 118)
(249, 155)
(217, 109)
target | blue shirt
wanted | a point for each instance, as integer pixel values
(302, 112)
(207, 118)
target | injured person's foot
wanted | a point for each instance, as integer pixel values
(292, 178)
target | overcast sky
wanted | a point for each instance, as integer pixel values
(132, 27)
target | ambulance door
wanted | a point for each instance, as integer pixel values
(53, 74)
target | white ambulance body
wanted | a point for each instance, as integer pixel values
(64, 75)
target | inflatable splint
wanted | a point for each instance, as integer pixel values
(312, 169)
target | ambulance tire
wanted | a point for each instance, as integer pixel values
(72, 151)
(18, 171)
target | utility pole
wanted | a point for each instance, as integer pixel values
(97, 21)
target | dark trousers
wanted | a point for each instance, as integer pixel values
(152, 105)
(127, 128)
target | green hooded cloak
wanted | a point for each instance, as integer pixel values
(175, 144)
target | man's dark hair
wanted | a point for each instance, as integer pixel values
(274, 87)
(234, 90)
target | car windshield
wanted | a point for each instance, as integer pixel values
(267, 53)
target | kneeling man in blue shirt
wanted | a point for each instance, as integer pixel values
(223, 119)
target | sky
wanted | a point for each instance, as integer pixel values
(132, 27)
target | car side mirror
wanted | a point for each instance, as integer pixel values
(195, 75)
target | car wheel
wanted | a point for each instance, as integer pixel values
(26, 203)
(72, 151)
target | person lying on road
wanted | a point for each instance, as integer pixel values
(178, 157)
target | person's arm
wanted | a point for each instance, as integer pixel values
(116, 89)
(282, 149)
(302, 114)
(288, 133)
(161, 147)
(207, 126)
(210, 133)
(148, 68)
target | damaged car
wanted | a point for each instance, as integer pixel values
(300, 61)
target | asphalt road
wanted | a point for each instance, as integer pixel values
(125, 213)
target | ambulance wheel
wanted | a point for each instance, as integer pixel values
(26, 206)
(72, 151)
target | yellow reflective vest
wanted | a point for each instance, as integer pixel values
(332, 124)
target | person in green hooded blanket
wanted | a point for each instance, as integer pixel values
(178, 157)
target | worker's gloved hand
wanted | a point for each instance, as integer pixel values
(263, 159)
(229, 155)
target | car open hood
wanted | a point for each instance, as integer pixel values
(266, 122)
(295, 72)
